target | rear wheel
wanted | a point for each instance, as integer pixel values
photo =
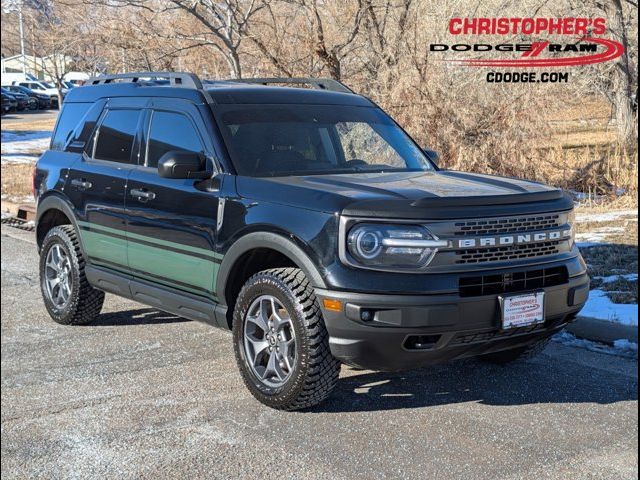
(280, 341)
(521, 353)
(68, 296)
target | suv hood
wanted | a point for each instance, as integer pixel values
(438, 194)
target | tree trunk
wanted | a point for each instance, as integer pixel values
(627, 129)
(234, 64)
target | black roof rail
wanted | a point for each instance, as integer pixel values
(316, 83)
(176, 79)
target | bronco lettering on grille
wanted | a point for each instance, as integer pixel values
(506, 240)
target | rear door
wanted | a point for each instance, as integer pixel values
(97, 183)
(171, 229)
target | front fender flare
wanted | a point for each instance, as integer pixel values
(272, 241)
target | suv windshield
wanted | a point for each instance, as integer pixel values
(286, 140)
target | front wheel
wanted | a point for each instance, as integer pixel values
(281, 343)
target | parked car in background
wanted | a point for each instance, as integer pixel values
(6, 103)
(46, 88)
(22, 101)
(36, 99)
(10, 101)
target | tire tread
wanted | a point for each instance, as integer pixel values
(322, 369)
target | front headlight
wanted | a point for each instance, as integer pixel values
(391, 247)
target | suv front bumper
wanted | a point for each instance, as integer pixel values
(408, 331)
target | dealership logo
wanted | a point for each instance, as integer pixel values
(585, 47)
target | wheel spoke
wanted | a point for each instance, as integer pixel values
(273, 367)
(259, 321)
(59, 295)
(267, 310)
(287, 362)
(258, 346)
(51, 264)
(66, 290)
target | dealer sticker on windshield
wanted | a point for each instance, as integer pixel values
(522, 310)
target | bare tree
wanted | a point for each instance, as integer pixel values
(332, 50)
(222, 24)
(623, 75)
(55, 39)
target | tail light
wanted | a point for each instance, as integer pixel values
(33, 181)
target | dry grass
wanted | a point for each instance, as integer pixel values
(32, 122)
(16, 180)
(619, 256)
(621, 290)
(611, 259)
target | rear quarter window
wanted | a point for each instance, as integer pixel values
(70, 116)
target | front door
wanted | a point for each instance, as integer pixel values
(171, 223)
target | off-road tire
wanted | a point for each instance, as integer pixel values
(521, 353)
(316, 371)
(85, 302)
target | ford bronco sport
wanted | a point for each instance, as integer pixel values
(305, 220)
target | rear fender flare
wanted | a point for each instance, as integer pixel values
(55, 201)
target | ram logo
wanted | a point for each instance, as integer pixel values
(519, 239)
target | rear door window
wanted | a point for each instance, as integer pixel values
(116, 135)
(170, 131)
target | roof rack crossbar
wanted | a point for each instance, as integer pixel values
(176, 79)
(316, 83)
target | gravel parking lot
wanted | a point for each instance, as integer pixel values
(143, 394)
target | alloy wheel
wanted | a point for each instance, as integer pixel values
(269, 341)
(58, 276)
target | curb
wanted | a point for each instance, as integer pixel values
(602, 331)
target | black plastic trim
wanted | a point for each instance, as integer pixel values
(177, 303)
(273, 241)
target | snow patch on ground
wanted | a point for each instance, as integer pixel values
(605, 217)
(18, 159)
(630, 277)
(12, 136)
(23, 147)
(600, 307)
(596, 237)
(621, 348)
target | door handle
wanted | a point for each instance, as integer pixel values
(81, 183)
(142, 194)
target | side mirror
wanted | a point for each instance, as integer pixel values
(432, 155)
(182, 164)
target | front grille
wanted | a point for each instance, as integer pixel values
(507, 225)
(511, 252)
(512, 282)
